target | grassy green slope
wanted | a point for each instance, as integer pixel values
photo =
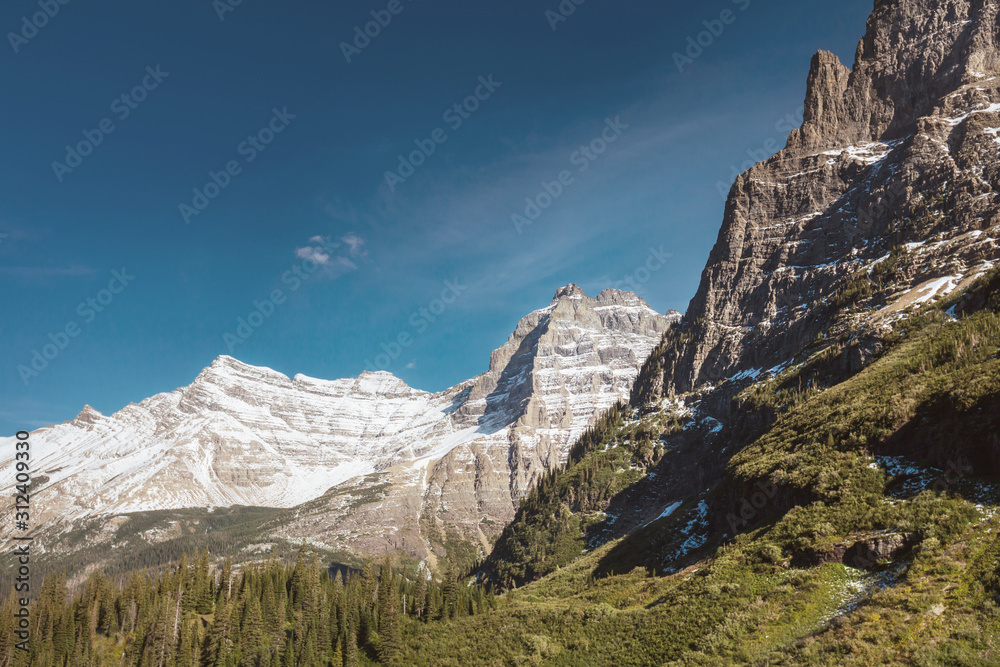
(824, 476)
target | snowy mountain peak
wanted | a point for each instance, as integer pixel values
(88, 416)
(384, 375)
(226, 363)
(249, 435)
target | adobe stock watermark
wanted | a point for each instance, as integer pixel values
(582, 159)
(751, 508)
(223, 7)
(312, 259)
(562, 13)
(87, 311)
(420, 321)
(363, 35)
(655, 261)
(121, 107)
(698, 44)
(783, 127)
(248, 150)
(30, 25)
(455, 116)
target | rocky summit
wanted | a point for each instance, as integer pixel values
(893, 179)
(246, 436)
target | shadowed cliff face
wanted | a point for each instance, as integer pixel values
(898, 156)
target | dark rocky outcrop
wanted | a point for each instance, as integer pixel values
(866, 554)
(869, 554)
(899, 153)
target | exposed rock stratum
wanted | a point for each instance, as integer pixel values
(373, 462)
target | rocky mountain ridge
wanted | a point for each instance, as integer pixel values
(246, 436)
(886, 197)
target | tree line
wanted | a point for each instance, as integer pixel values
(269, 614)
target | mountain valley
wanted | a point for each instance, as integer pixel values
(803, 469)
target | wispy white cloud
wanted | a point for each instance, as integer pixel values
(313, 254)
(334, 258)
(345, 263)
(355, 244)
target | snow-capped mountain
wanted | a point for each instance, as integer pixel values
(241, 435)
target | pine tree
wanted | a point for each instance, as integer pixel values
(288, 659)
(369, 589)
(369, 584)
(308, 656)
(450, 591)
(163, 630)
(385, 580)
(202, 592)
(311, 593)
(225, 581)
(420, 595)
(339, 619)
(107, 623)
(278, 626)
(64, 637)
(351, 647)
(428, 605)
(251, 634)
(299, 575)
(185, 581)
(197, 643)
(185, 645)
(390, 646)
(221, 636)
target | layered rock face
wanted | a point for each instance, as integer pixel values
(240, 435)
(897, 164)
(562, 366)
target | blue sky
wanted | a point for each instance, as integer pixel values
(258, 105)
